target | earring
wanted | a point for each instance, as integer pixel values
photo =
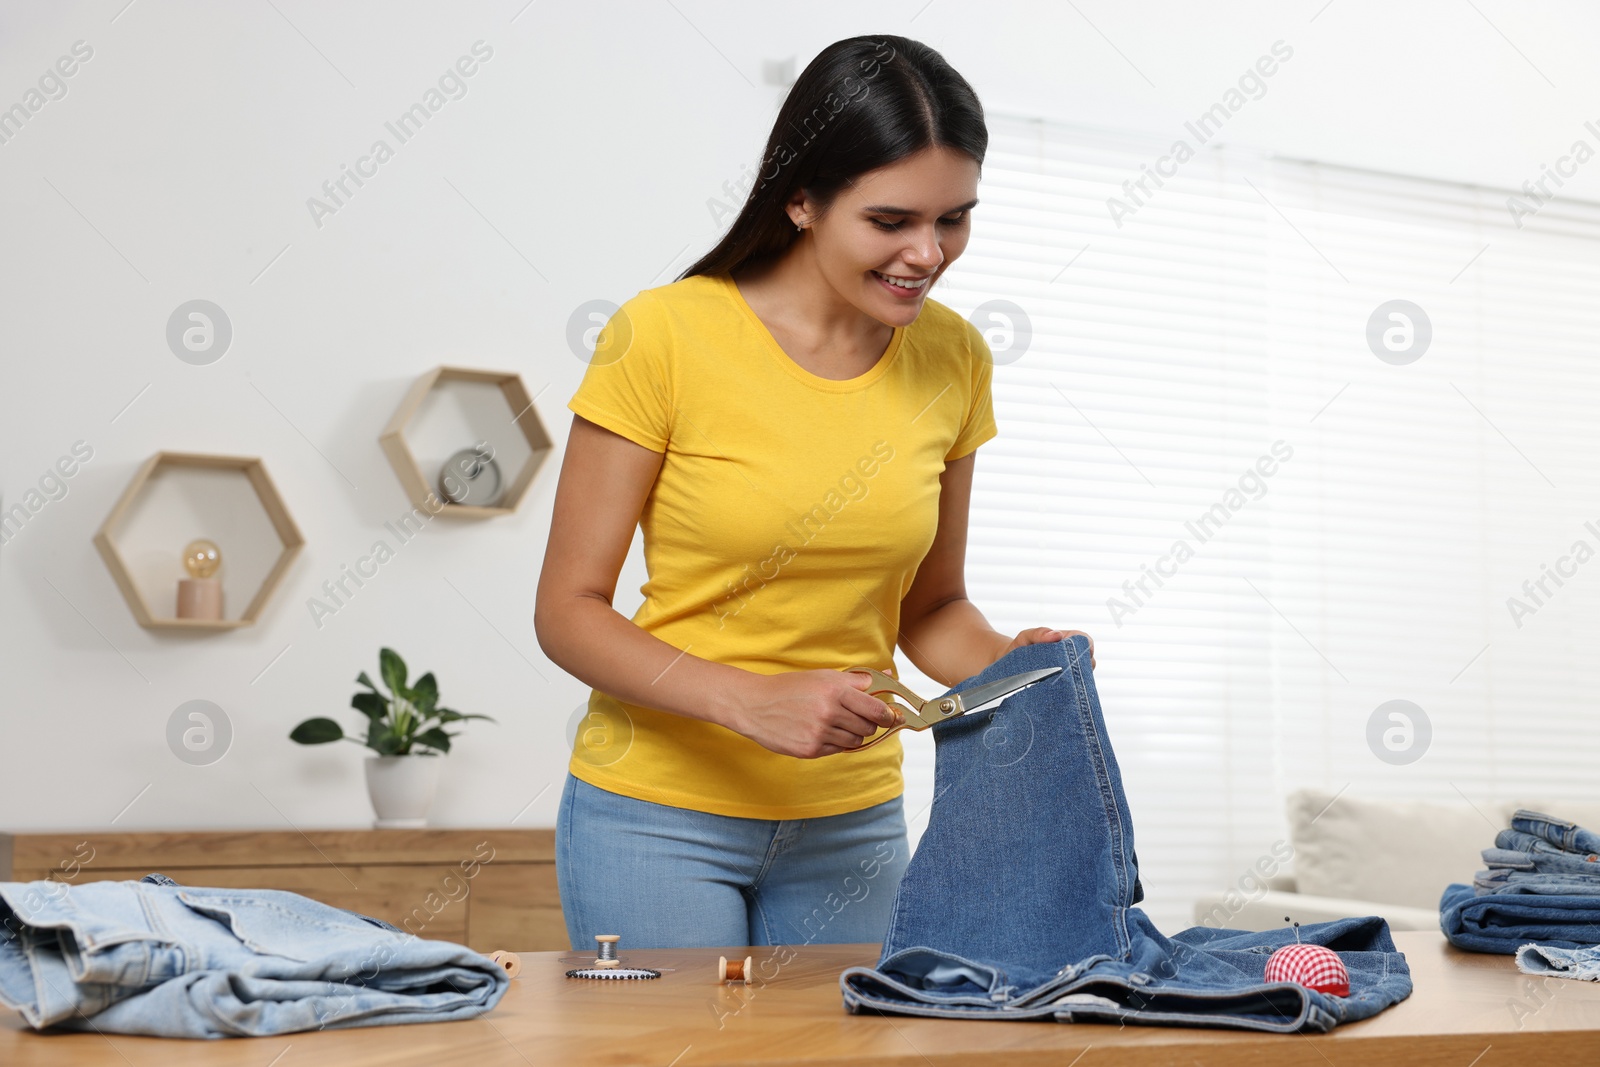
(798, 227)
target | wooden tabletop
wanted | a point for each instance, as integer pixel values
(1467, 1010)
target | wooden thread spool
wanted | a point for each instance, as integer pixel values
(734, 970)
(509, 961)
(606, 944)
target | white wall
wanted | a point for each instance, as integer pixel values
(576, 167)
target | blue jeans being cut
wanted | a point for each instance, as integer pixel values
(667, 877)
(153, 957)
(1019, 901)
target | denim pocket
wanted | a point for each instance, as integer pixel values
(270, 922)
(943, 975)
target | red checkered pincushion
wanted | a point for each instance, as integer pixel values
(1312, 966)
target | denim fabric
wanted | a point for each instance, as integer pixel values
(1567, 836)
(1537, 872)
(667, 877)
(1540, 882)
(161, 879)
(1517, 914)
(1568, 864)
(1486, 882)
(1517, 841)
(1018, 903)
(147, 957)
(1536, 863)
(1580, 963)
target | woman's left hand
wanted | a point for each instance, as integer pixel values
(1040, 634)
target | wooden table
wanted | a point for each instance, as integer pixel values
(1467, 1010)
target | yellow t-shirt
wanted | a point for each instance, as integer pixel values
(787, 522)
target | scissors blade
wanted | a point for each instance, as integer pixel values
(983, 697)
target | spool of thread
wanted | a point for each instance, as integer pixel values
(734, 970)
(509, 961)
(606, 945)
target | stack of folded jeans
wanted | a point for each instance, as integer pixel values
(157, 958)
(1540, 884)
(1019, 901)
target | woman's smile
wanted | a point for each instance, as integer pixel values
(902, 286)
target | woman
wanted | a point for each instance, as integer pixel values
(792, 424)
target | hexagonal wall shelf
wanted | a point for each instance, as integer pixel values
(453, 408)
(177, 497)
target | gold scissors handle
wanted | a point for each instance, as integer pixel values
(920, 715)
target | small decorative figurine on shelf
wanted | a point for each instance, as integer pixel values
(200, 594)
(471, 477)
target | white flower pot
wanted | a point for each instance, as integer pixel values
(402, 788)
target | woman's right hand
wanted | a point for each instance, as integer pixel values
(810, 713)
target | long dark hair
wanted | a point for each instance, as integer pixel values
(862, 103)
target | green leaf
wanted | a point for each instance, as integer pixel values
(435, 738)
(316, 732)
(425, 694)
(393, 669)
(389, 745)
(447, 715)
(372, 705)
(364, 680)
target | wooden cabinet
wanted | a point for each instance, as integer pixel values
(487, 889)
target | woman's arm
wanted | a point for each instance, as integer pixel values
(604, 481)
(941, 631)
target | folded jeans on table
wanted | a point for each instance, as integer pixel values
(157, 958)
(1517, 914)
(1570, 865)
(1540, 883)
(1019, 901)
(1566, 836)
(1536, 867)
(1557, 882)
(1512, 840)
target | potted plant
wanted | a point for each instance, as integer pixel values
(405, 730)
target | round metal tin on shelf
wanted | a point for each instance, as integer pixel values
(472, 478)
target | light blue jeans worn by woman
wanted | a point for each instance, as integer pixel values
(666, 877)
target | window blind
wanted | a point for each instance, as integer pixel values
(1273, 526)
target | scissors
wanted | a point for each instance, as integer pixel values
(925, 713)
